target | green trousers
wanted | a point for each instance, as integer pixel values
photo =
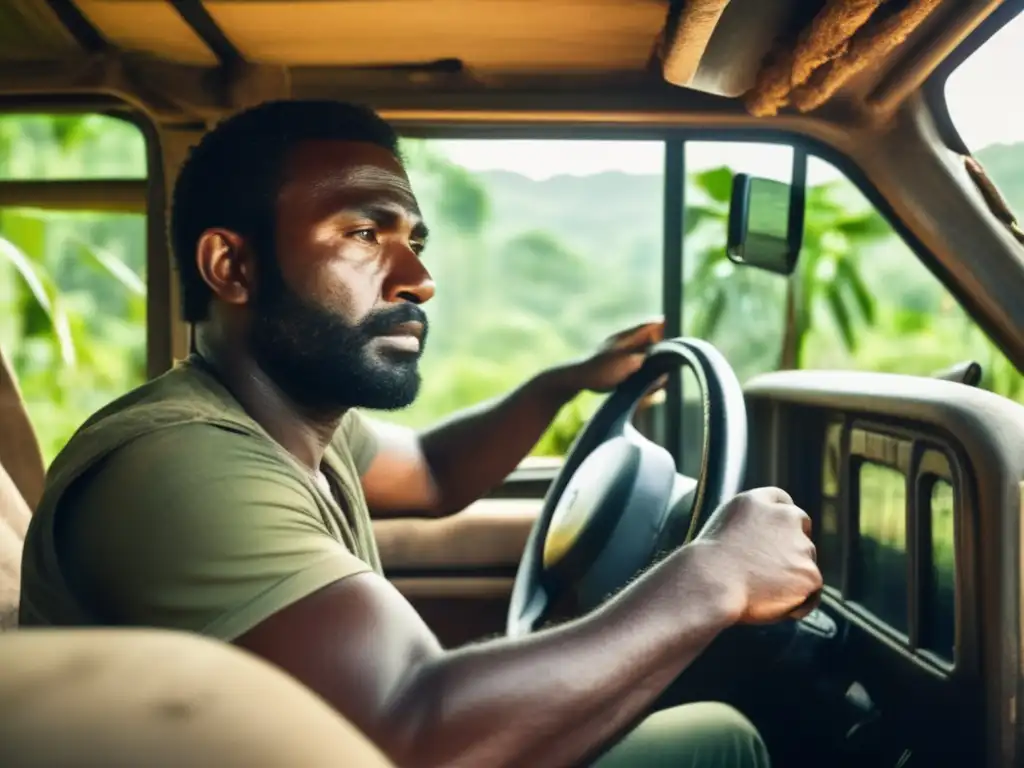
(706, 735)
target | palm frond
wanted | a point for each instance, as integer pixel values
(710, 315)
(44, 293)
(716, 183)
(841, 315)
(113, 266)
(695, 215)
(850, 278)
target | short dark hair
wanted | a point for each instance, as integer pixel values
(232, 177)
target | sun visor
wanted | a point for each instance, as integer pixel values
(717, 46)
(782, 53)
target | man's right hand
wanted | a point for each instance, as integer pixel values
(762, 550)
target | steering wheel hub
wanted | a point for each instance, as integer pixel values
(600, 483)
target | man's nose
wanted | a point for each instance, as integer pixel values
(409, 280)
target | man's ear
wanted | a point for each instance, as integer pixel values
(225, 264)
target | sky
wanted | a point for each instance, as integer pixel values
(983, 110)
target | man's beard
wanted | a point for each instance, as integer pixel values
(324, 363)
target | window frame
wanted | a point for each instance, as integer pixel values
(924, 451)
(935, 464)
(856, 577)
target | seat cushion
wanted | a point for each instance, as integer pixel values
(129, 698)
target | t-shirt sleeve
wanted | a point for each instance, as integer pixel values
(357, 432)
(200, 529)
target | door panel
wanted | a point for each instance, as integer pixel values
(925, 657)
(458, 571)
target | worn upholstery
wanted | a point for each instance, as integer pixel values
(19, 449)
(13, 519)
(14, 515)
(131, 698)
(21, 483)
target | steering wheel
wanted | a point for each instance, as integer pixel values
(618, 500)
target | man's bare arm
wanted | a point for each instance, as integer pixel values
(547, 698)
(362, 647)
(448, 467)
(444, 469)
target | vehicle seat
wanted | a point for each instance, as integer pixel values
(21, 484)
(130, 698)
(14, 515)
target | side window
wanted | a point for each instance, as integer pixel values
(860, 298)
(72, 275)
(740, 309)
(937, 496)
(991, 126)
(540, 250)
(880, 565)
(864, 301)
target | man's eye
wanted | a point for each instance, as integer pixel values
(366, 235)
(417, 248)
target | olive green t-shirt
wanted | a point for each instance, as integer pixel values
(173, 508)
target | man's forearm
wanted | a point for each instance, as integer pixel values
(476, 449)
(504, 702)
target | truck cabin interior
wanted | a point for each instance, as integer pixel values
(855, 84)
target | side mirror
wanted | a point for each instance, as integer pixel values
(766, 219)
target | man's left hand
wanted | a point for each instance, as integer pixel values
(616, 360)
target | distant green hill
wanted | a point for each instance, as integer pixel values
(610, 212)
(597, 216)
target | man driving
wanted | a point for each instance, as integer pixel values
(232, 496)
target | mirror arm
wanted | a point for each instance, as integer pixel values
(797, 203)
(739, 213)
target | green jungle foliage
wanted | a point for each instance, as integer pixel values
(529, 273)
